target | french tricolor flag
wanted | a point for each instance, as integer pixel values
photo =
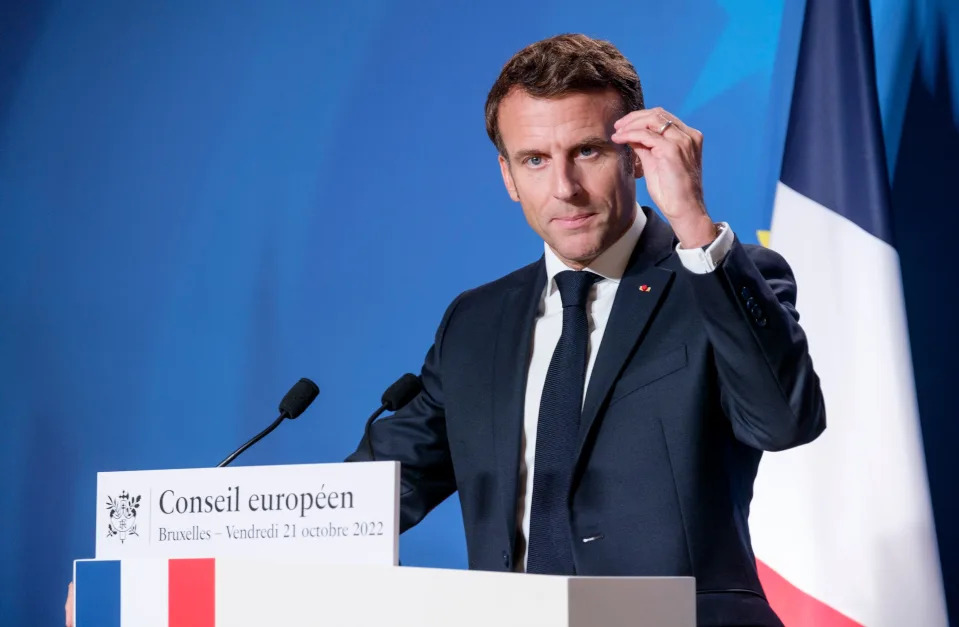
(145, 593)
(843, 527)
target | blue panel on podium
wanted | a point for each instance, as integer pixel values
(99, 604)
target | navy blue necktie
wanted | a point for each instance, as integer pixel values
(550, 537)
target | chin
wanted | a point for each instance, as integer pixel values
(579, 254)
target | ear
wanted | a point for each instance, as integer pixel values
(508, 178)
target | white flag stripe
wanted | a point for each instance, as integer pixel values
(847, 518)
(145, 590)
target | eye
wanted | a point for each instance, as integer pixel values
(533, 161)
(587, 151)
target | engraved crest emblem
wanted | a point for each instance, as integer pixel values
(123, 516)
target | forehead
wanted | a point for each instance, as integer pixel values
(527, 122)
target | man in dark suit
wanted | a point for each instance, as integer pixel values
(603, 410)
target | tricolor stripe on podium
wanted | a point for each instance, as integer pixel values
(146, 593)
(843, 526)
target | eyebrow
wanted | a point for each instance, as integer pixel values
(592, 140)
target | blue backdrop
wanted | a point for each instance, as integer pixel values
(202, 202)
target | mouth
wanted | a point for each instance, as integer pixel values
(574, 222)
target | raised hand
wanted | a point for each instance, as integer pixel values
(670, 153)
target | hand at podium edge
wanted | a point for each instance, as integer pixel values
(68, 607)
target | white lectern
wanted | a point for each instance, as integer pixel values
(315, 544)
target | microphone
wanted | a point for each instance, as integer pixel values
(395, 397)
(293, 404)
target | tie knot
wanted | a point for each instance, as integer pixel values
(574, 286)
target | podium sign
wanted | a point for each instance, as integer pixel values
(326, 513)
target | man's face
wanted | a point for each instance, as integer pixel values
(575, 186)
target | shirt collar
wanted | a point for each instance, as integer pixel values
(611, 263)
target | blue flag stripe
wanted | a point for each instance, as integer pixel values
(834, 151)
(98, 594)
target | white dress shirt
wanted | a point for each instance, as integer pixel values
(549, 325)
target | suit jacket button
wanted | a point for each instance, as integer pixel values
(505, 559)
(750, 303)
(762, 321)
(757, 312)
(745, 293)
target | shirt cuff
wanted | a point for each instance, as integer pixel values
(706, 259)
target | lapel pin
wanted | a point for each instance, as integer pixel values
(645, 288)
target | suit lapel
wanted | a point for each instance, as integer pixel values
(513, 346)
(642, 288)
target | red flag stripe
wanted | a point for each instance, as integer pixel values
(796, 608)
(192, 593)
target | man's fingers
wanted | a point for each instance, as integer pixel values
(68, 606)
(647, 117)
(654, 119)
(642, 137)
(652, 116)
(670, 132)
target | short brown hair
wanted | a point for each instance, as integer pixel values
(561, 65)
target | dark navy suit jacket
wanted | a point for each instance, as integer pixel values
(695, 377)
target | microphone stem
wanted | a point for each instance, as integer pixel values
(367, 430)
(256, 438)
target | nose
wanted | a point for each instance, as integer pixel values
(565, 181)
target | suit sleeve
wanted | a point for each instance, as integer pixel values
(769, 389)
(415, 436)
